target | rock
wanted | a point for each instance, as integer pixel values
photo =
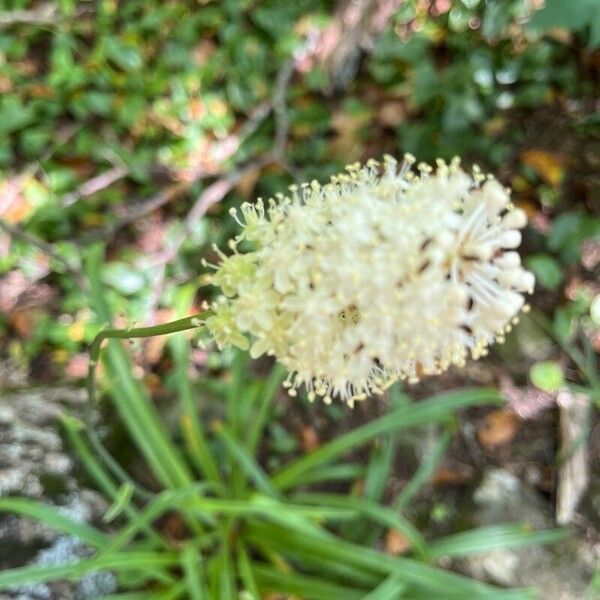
(35, 463)
(561, 571)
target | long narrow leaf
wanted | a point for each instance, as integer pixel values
(264, 405)
(245, 570)
(131, 398)
(380, 465)
(245, 461)
(167, 500)
(374, 512)
(266, 507)
(304, 586)
(422, 575)
(125, 561)
(424, 473)
(50, 516)
(390, 589)
(433, 410)
(99, 474)
(193, 430)
(493, 537)
(310, 562)
(191, 563)
(331, 473)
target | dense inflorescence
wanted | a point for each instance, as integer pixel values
(382, 274)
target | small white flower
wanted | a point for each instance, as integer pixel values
(374, 277)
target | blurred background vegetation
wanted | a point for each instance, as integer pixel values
(137, 125)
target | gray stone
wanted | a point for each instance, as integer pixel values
(561, 571)
(35, 463)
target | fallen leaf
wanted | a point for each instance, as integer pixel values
(452, 476)
(548, 165)
(15, 207)
(391, 113)
(25, 322)
(174, 528)
(396, 542)
(247, 182)
(498, 428)
(309, 438)
(153, 382)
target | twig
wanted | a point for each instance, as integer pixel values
(282, 121)
(217, 190)
(573, 474)
(96, 184)
(45, 14)
(47, 248)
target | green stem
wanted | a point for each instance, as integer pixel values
(95, 348)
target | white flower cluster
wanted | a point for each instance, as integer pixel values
(382, 274)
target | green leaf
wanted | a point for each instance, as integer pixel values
(246, 571)
(121, 562)
(125, 56)
(424, 473)
(547, 376)
(380, 466)
(14, 116)
(391, 588)
(51, 516)
(491, 538)
(575, 16)
(305, 586)
(546, 269)
(429, 411)
(131, 398)
(191, 562)
(595, 310)
(193, 430)
(423, 576)
(98, 473)
(374, 512)
(166, 500)
(120, 503)
(123, 277)
(246, 461)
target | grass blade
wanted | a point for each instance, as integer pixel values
(390, 589)
(302, 585)
(425, 471)
(191, 562)
(131, 399)
(493, 537)
(99, 474)
(121, 501)
(245, 461)
(264, 404)
(311, 563)
(193, 430)
(245, 570)
(425, 577)
(331, 473)
(434, 409)
(380, 465)
(50, 516)
(125, 561)
(167, 500)
(375, 512)
(176, 591)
